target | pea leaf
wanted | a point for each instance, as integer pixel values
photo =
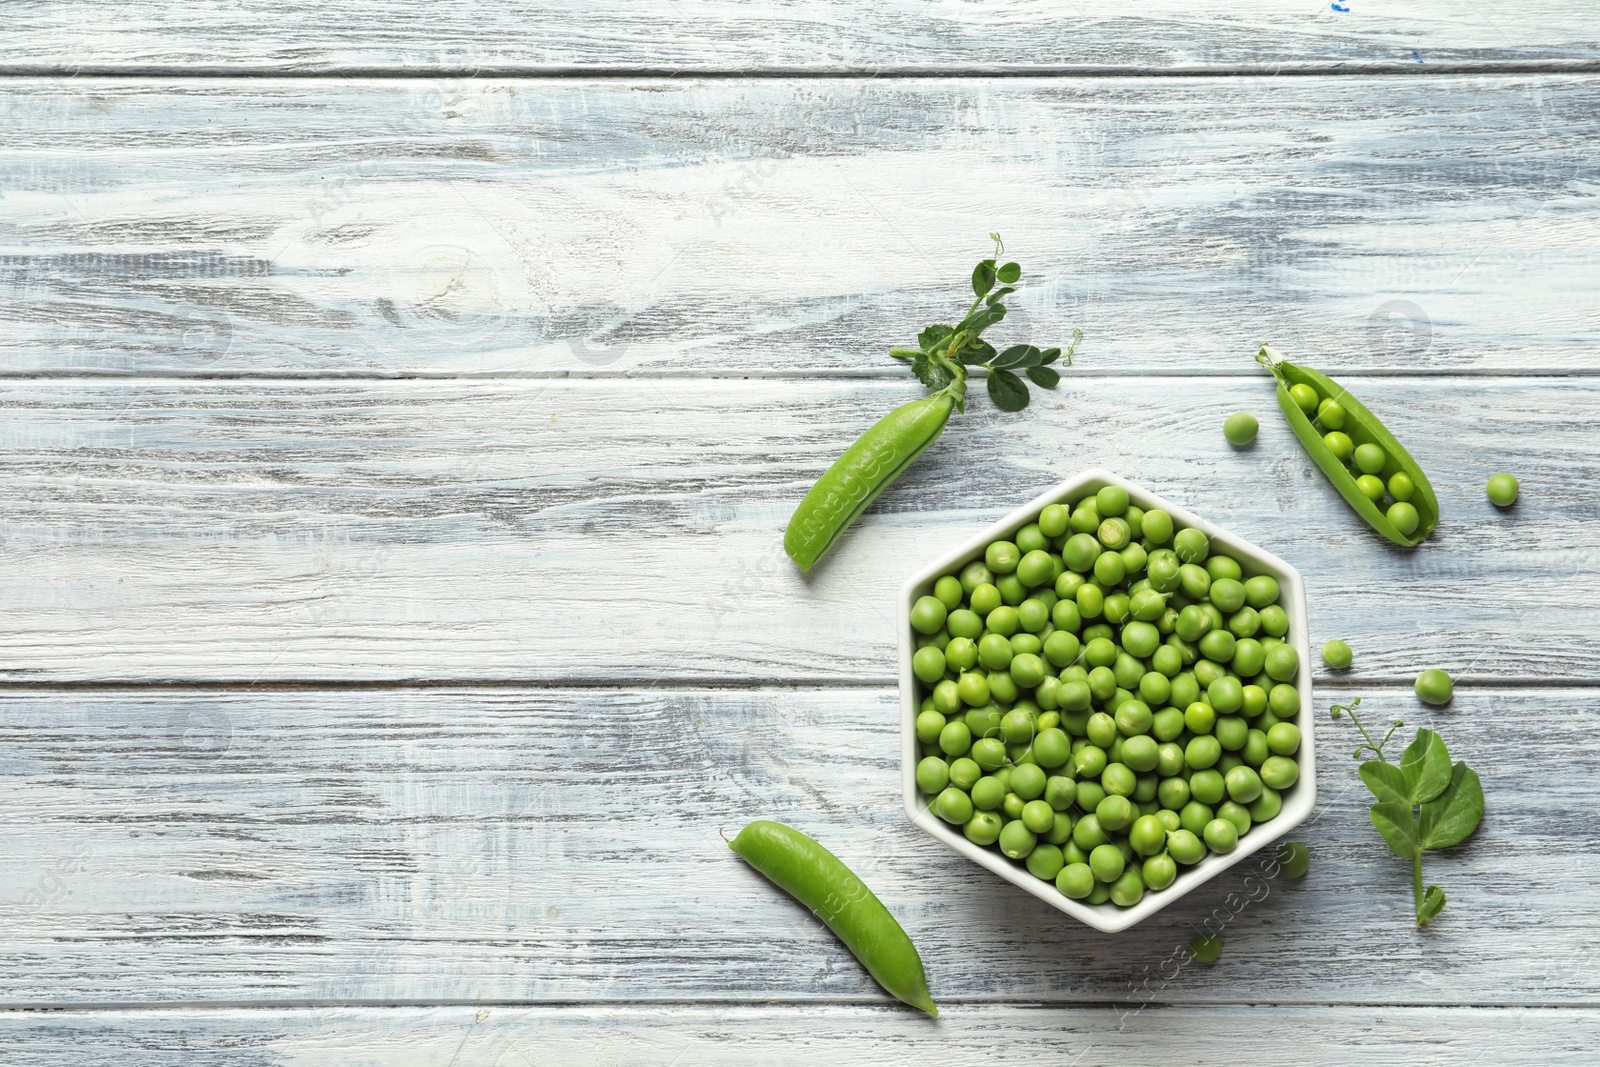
(983, 277)
(930, 372)
(1386, 781)
(933, 335)
(1426, 765)
(1016, 356)
(1451, 818)
(1045, 376)
(976, 352)
(1007, 391)
(1395, 822)
(998, 295)
(1432, 904)
(1050, 355)
(1009, 273)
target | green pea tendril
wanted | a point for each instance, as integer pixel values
(1423, 803)
(945, 355)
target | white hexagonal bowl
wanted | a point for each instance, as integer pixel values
(1297, 801)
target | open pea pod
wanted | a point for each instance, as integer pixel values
(1363, 427)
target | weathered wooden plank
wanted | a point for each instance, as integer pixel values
(808, 35)
(535, 845)
(650, 1036)
(584, 227)
(631, 530)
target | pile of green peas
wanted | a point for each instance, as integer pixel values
(1104, 699)
(1365, 461)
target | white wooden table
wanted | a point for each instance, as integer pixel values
(402, 407)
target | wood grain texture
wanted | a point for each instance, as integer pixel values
(563, 227)
(631, 530)
(810, 35)
(562, 846)
(985, 1035)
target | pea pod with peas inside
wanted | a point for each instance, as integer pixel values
(818, 879)
(1387, 488)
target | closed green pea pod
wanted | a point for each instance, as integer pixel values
(1363, 428)
(820, 880)
(866, 469)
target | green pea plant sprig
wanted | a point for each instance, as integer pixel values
(945, 355)
(1424, 803)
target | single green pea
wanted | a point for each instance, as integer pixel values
(1304, 396)
(1060, 831)
(1207, 671)
(1091, 600)
(988, 793)
(1086, 833)
(1194, 816)
(983, 828)
(1098, 629)
(1331, 414)
(1200, 717)
(1128, 670)
(985, 599)
(1187, 651)
(1012, 591)
(1060, 792)
(961, 654)
(1221, 836)
(1284, 700)
(1244, 622)
(965, 773)
(1155, 688)
(973, 575)
(1225, 695)
(1371, 487)
(1030, 539)
(1434, 686)
(1033, 618)
(1185, 689)
(1080, 552)
(988, 752)
(933, 775)
(928, 615)
(1284, 739)
(1231, 732)
(1016, 728)
(1147, 836)
(1141, 753)
(1003, 621)
(1227, 594)
(1164, 571)
(1194, 581)
(1369, 458)
(1036, 568)
(1255, 698)
(1134, 559)
(1185, 846)
(1191, 545)
(1336, 654)
(1208, 786)
(1193, 623)
(964, 622)
(1401, 487)
(1404, 517)
(1100, 652)
(1061, 648)
(1002, 557)
(1267, 805)
(1074, 694)
(1085, 516)
(1159, 871)
(953, 806)
(1027, 781)
(1133, 717)
(974, 689)
(1090, 795)
(1339, 444)
(955, 739)
(1111, 500)
(1217, 646)
(1054, 519)
(1503, 489)
(928, 665)
(1051, 747)
(1280, 772)
(1109, 569)
(984, 721)
(1045, 862)
(1076, 881)
(1016, 840)
(1243, 784)
(1107, 862)
(1236, 813)
(1262, 591)
(1294, 859)
(1067, 585)
(1240, 429)
(1168, 661)
(949, 592)
(1202, 752)
(1249, 657)
(1118, 779)
(1207, 948)
(1090, 762)
(1038, 817)
(1255, 750)
(1274, 621)
(1156, 526)
(929, 726)
(1064, 615)
(1173, 793)
(1115, 534)
(1283, 663)
(1027, 670)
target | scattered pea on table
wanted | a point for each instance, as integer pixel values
(1240, 429)
(1337, 654)
(1502, 490)
(1434, 687)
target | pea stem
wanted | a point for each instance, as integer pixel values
(1416, 873)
